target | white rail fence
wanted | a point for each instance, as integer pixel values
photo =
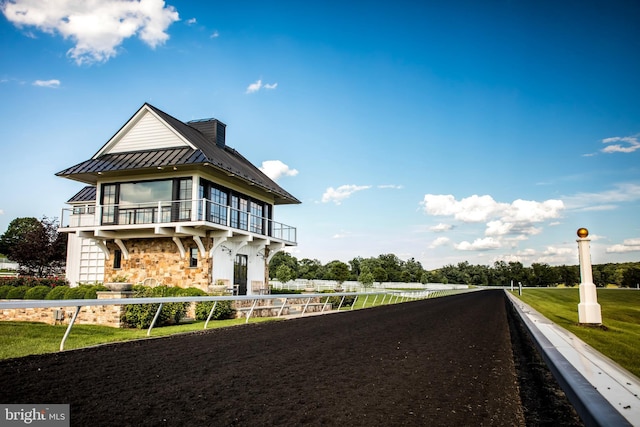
(377, 298)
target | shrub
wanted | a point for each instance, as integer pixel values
(4, 290)
(192, 292)
(224, 310)
(37, 292)
(91, 291)
(141, 315)
(33, 281)
(75, 293)
(57, 292)
(17, 292)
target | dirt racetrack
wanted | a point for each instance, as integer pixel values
(439, 362)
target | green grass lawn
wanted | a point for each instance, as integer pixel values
(19, 339)
(620, 340)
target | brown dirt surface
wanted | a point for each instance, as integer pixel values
(438, 362)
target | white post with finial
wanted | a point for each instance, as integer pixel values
(588, 309)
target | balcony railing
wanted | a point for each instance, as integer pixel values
(164, 212)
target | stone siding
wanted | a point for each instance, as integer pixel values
(159, 259)
(105, 315)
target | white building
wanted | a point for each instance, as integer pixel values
(170, 202)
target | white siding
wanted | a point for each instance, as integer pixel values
(85, 261)
(147, 133)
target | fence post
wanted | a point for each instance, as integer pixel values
(210, 314)
(153, 322)
(66, 334)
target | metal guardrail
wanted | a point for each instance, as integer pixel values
(591, 406)
(175, 211)
(395, 296)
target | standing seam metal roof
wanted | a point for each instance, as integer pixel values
(223, 158)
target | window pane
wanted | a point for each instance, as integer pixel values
(146, 192)
(218, 211)
(109, 202)
(256, 217)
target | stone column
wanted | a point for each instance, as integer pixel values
(588, 309)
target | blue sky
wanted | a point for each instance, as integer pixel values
(447, 131)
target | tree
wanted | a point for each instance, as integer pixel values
(284, 273)
(412, 271)
(392, 265)
(366, 278)
(310, 269)
(631, 277)
(35, 245)
(338, 271)
(569, 275)
(281, 258)
(380, 274)
(543, 275)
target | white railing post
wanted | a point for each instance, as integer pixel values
(73, 320)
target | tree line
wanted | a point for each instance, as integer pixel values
(389, 268)
(40, 250)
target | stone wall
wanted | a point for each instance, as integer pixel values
(159, 259)
(105, 315)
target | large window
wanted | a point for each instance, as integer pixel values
(239, 214)
(256, 217)
(109, 202)
(184, 193)
(218, 210)
(227, 207)
(138, 202)
(147, 202)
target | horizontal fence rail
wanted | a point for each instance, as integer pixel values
(388, 297)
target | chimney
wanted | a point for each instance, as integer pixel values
(213, 129)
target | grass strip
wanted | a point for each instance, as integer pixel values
(619, 339)
(19, 339)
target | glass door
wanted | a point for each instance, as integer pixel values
(240, 274)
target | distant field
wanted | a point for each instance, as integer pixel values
(620, 314)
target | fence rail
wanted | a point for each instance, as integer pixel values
(176, 211)
(392, 296)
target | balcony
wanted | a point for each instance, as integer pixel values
(200, 213)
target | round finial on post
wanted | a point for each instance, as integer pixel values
(583, 232)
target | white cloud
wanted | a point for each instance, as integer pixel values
(391, 186)
(441, 227)
(96, 27)
(516, 218)
(471, 209)
(191, 21)
(631, 144)
(47, 83)
(1, 211)
(628, 245)
(257, 85)
(605, 200)
(215, 35)
(485, 244)
(440, 241)
(254, 87)
(275, 169)
(506, 223)
(529, 211)
(341, 235)
(337, 195)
